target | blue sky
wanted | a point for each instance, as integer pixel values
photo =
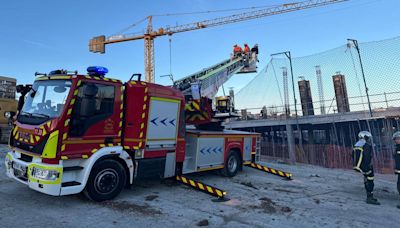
(44, 35)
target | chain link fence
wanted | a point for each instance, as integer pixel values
(327, 104)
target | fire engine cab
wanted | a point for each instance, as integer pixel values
(93, 134)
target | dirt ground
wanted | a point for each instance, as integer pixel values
(316, 197)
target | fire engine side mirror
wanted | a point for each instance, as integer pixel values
(10, 117)
(23, 89)
(139, 76)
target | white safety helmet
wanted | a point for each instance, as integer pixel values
(365, 135)
(396, 135)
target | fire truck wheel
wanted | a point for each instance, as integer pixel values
(106, 180)
(232, 164)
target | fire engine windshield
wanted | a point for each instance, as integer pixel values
(45, 101)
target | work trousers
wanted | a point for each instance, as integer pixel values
(369, 180)
(362, 162)
(397, 168)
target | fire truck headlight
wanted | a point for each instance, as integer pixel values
(8, 161)
(45, 174)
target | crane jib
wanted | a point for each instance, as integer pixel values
(98, 45)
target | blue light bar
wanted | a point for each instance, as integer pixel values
(97, 71)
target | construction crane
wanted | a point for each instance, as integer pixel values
(97, 44)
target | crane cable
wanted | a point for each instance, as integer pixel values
(277, 81)
(191, 13)
(131, 26)
(214, 11)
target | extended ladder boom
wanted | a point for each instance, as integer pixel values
(212, 78)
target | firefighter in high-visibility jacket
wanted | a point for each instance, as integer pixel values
(237, 50)
(362, 162)
(396, 156)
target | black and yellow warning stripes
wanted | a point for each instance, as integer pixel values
(66, 77)
(105, 145)
(145, 109)
(103, 79)
(83, 156)
(121, 114)
(271, 170)
(202, 187)
(69, 115)
(198, 116)
(194, 112)
(50, 77)
(87, 155)
(193, 106)
(30, 137)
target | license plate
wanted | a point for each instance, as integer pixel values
(24, 135)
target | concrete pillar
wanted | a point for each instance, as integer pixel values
(327, 136)
(311, 149)
(274, 138)
(290, 141)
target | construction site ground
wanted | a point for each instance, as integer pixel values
(317, 197)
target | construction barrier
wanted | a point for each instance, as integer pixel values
(271, 170)
(202, 187)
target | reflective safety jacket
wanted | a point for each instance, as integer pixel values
(237, 49)
(362, 156)
(396, 156)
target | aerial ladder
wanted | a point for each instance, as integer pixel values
(201, 87)
(212, 78)
(97, 44)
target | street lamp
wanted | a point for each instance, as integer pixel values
(289, 56)
(171, 77)
(289, 129)
(355, 43)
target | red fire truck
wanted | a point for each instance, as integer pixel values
(93, 134)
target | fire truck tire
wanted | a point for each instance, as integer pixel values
(106, 180)
(232, 164)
